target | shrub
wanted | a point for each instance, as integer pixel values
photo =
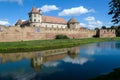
(61, 37)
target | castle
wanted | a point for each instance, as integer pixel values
(39, 27)
(36, 19)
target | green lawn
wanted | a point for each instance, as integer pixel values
(37, 45)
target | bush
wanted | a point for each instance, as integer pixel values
(61, 37)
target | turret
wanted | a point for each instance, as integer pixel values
(73, 23)
(35, 17)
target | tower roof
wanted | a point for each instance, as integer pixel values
(34, 10)
(73, 20)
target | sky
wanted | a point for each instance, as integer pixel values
(89, 13)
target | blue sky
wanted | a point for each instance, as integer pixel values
(90, 13)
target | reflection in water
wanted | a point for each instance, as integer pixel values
(48, 58)
(78, 60)
(38, 61)
(77, 63)
(112, 45)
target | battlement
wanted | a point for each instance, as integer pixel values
(107, 33)
(15, 33)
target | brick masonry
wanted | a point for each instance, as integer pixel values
(11, 34)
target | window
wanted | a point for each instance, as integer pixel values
(34, 15)
(39, 20)
(29, 15)
(52, 26)
(34, 20)
(33, 25)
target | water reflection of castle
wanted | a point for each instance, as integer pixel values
(107, 45)
(39, 58)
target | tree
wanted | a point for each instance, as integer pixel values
(112, 27)
(103, 27)
(115, 11)
(96, 28)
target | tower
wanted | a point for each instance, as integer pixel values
(73, 23)
(35, 17)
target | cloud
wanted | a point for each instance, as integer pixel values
(47, 8)
(4, 22)
(51, 64)
(78, 60)
(92, 23)
(18, 1)
(75, 11)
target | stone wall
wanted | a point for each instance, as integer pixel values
(106, 33)
(9, 34)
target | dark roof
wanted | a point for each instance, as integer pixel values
(25, 22)
(19, 22)
(73, 20)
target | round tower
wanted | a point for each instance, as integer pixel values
(35, 17)
(73, 23)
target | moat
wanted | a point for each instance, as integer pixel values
(77, 63)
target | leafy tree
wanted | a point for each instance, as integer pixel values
(112, 27)
(115, 10)
(103, 27)
(61, 37)
(96, 28)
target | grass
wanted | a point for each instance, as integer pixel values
(37, 45)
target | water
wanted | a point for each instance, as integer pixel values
(77, 63)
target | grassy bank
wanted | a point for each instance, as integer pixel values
(37, 45)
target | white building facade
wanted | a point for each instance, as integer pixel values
(36, 19)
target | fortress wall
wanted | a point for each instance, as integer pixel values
(10, 34)
(107, 33)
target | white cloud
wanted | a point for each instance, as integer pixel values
(51, 64)
(4, 22)
(18, 1)
(92, 23)
(78, 60)
(75, 11)
(91, 18)
(47, 8)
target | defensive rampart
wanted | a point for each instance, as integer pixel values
(9, 34)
